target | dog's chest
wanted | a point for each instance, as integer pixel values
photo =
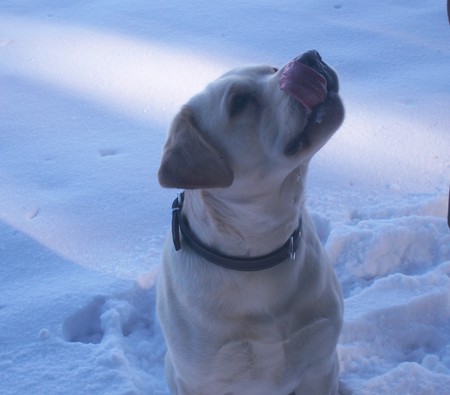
(266, 358)
(251, 364)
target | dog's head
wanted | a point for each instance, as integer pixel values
(253, 123)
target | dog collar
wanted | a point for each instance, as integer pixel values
(246, 264)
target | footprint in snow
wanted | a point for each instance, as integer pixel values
(85, 324)
(107, 152)
(103, 316)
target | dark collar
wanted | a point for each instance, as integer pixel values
(180, 224)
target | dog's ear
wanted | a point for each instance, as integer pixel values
(189, 160)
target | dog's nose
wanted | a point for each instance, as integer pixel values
(314, 60)
(311, 58)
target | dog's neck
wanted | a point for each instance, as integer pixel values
(247, 220)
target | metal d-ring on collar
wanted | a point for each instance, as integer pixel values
(181, 226)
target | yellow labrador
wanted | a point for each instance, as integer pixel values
(247, 300)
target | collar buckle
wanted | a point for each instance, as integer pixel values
(291, 249)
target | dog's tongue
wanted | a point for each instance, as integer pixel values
(304, 84)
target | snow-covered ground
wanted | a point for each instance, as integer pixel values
(87, 91)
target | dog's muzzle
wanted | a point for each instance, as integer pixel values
(313, 84)
(308, 79)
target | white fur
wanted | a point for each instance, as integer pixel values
(251, 333)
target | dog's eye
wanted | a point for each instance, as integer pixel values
(239, 103)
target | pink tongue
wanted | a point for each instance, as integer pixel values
(304, 84)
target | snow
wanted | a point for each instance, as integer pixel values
(88, 90)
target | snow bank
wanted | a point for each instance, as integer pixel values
(394, 265)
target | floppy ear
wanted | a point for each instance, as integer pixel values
(189, 160)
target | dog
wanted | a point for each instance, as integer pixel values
(247, 299)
